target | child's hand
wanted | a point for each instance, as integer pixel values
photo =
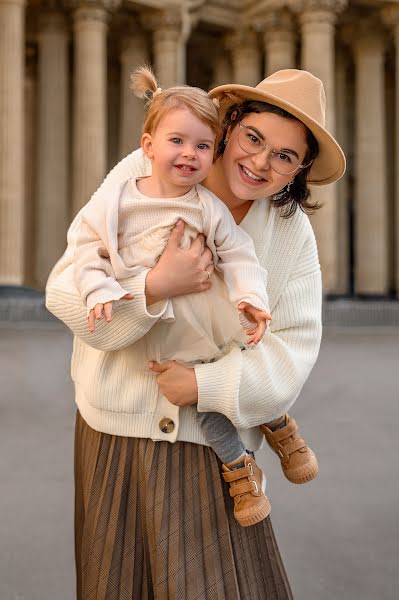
(96, 313)
(259, 318)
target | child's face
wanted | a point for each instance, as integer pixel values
(181, 151)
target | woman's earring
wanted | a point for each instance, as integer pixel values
(289, 184)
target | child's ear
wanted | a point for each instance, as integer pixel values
(146, 145)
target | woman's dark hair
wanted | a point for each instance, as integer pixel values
(299, 193)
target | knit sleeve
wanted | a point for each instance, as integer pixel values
(131, 319)
(257, 385)
(244, 277)
(93, 273)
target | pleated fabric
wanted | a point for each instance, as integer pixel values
(154, 520)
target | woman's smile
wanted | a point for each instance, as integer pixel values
(250, 177)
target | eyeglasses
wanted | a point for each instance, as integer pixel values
(281, 162)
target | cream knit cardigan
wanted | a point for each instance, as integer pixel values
(249, 387)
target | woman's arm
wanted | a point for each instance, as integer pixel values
(251, 387)
(254, 386)
(130, 320)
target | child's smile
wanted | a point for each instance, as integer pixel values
(181, 151)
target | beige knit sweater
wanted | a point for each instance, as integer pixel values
(250, 387)
(124, 232)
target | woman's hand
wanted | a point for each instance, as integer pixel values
(176, 382)
(180, 271)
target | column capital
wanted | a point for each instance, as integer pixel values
(390, 16)
(92, 10)
(49, 5)
(155, 20)
(280, 19)
(241, 39)
(318, 11)
(20, 3)
(104, 4)
(367, 32)
(133, 38)
(52, 20)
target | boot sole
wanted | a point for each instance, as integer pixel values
(303, 478)
(253, 519)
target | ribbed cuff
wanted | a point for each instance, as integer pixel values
(112, 293)
(218, 384)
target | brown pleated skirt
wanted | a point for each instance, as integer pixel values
(154, 520)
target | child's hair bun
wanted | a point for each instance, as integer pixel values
(144, 83)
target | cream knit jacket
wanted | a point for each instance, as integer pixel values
(249, 387)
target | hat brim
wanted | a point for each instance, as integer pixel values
(330, 164)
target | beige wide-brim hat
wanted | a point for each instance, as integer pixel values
(302, 95)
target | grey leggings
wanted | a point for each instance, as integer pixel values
(221, 435)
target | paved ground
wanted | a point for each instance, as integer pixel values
(339, 535)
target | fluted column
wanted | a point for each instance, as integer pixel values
(52, 143)
(317, 19)
(30, 158)
(371, 214)
(222, 70)
(167, 45)
(391, 17)
(343, 126)
(278, 40)
(245, 56)
(89, 148)
(134, 53)
(12, 165)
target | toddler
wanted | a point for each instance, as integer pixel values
(127, 233)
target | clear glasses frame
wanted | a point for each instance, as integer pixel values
(273, 153)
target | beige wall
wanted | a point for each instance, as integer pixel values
(67, 116)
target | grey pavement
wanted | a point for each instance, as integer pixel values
(339, 535)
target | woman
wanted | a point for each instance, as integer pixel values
(149, 523)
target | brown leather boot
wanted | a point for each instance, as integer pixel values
(298, 461)
(250, 503)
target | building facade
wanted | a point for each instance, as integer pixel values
(67, 114)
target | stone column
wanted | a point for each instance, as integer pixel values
(278, 40)
(343, 126)
(113, 109)
(371, 214)
(12, 166)
(52, 143)
(167, 45)
(222, 71)
(89, 150)
(30, 129)
(245, 55)
(391, 17)
(133, 54)
(317, 19)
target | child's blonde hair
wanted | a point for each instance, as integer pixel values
(159, 102)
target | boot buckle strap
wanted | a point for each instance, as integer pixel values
(243, 488)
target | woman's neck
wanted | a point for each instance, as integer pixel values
(217, 183)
